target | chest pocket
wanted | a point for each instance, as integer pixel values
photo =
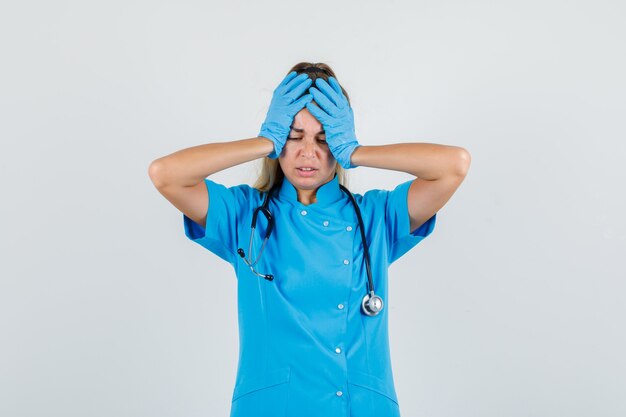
(262, 396)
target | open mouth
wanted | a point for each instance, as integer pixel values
(306, 171)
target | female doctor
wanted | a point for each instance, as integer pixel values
(310, 257)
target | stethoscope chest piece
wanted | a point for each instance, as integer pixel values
(371, 304)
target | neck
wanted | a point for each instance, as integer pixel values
(307, 197)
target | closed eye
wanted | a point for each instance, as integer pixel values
(322, 141)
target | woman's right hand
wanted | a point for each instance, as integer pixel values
(286, 103)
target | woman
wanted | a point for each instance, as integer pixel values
(313, 330)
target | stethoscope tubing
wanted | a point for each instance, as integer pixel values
(370, 283)
(371, 304)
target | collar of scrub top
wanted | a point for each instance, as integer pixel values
(326, 195)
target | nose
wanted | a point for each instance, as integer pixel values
(308, 148)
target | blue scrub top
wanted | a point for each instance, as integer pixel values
(305, 348)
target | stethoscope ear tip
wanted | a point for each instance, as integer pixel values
(240, 252)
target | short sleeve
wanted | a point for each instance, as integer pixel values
(399, 236)
(227, 206)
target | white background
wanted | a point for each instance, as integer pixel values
(513, 307)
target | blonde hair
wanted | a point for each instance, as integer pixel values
(271, 174)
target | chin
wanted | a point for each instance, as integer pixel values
(305, 183)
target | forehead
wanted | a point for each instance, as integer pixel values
(304, 121)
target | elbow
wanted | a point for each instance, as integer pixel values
(463, 161)
(156, 172)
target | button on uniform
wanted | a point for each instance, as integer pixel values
(325, 223)
(339, 393)
(303, 212)
(346, 262)
(338, 350)
(340, 306)
(349, 228)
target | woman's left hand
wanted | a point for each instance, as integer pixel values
(337, 118)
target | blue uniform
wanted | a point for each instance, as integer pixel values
(305, 348)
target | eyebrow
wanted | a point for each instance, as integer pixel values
(321, 132)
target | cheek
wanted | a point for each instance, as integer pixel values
(331, 162)
(329, 155)
(287, 149)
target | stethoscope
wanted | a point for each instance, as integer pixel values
(371, 304)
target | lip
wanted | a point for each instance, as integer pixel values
(306, 173)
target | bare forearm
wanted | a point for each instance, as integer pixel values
(191, 166)
(424, 160)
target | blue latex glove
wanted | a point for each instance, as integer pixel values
(286, 103)
(337, 118)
